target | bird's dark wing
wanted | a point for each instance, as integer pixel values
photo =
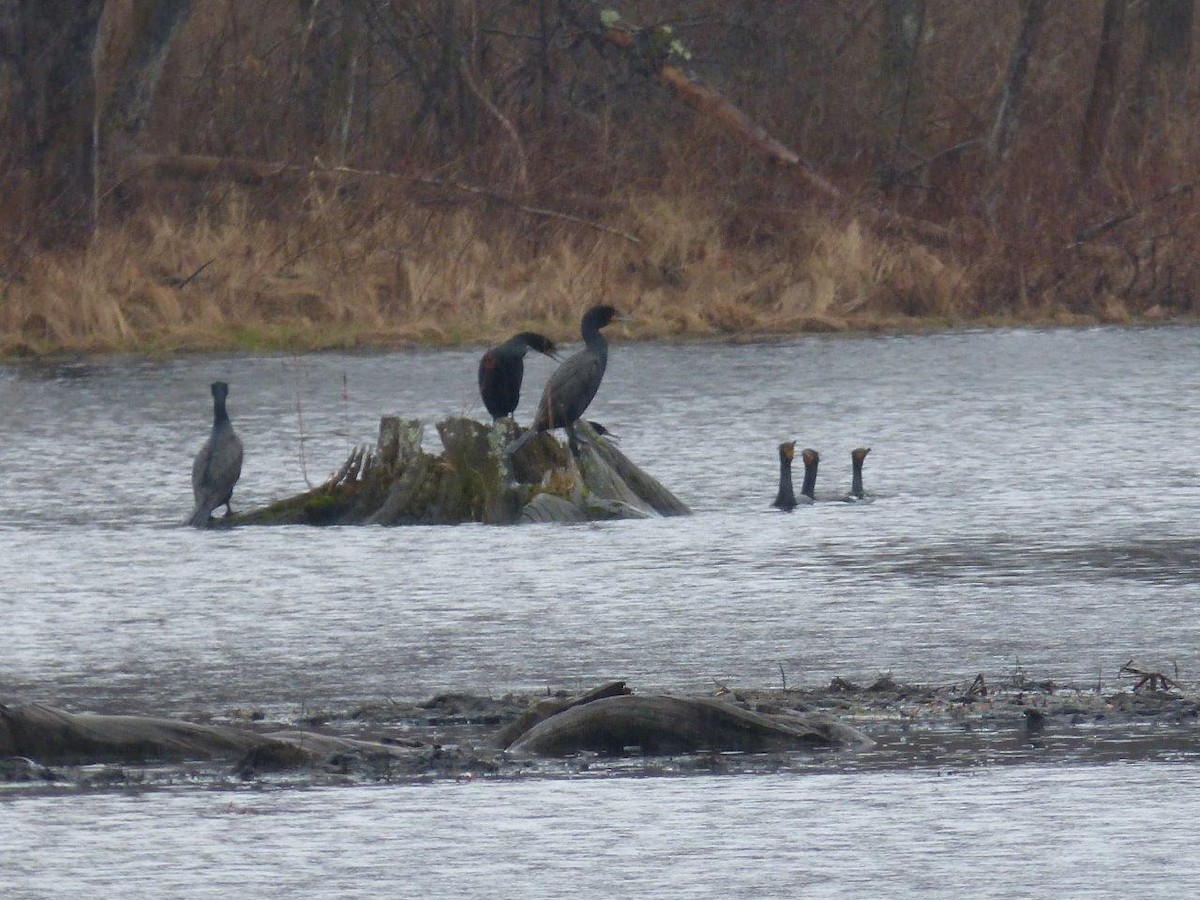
(500, 376)
(215, 471)
(226, 465)
(570, 390)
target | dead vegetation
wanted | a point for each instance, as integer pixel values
(365, 172)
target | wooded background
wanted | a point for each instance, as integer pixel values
(1038, 155)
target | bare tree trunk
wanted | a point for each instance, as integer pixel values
(545, 24)
(903, 91)
(344, 81)
(47, 51)
(155, 26)
(1162, 72)
(1102, 99)
(1004, 125)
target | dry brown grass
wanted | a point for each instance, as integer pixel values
(329, 271)
(729, 247)
(333, 275)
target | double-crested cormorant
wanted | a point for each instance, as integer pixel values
(502, 368)
(857, 455)
(603, 432)
(786, 499)
(218, 465)
(811, 460)
(574, 383)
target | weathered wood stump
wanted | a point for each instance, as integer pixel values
(474, 480)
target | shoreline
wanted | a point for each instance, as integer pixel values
(311, 342)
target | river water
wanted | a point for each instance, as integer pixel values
(1036, 499)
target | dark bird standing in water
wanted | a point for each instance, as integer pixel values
(218, 465)
(502, 368)
(574, 383)
(857, 455)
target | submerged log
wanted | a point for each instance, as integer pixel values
(552, 706)
(657, 725)
(664, 725)
(607, 719)
(475, 480)
(53, 736)
(610, 719)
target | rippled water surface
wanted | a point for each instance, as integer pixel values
(1037, 495)
(1005, 833)
(1037, 500)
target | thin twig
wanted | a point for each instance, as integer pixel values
(522, 159)
(253, 171)
(1108, 224)
(300, 422)
(188, 280)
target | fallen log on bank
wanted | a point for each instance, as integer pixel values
(474, 480)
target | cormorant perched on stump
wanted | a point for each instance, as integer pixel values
(502, 368)
(218, 465)
(574, 383)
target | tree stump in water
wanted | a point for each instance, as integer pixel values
(474, 480)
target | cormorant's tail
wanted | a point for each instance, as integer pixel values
(521, 441)
(200, 516)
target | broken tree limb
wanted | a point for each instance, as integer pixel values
(664, 725)
(656, 51)
(647, 489)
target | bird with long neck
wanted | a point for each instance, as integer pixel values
(218, 465)
(857, 455)
(573, 386)
(809, 488)
(502, 369)
(785, 499)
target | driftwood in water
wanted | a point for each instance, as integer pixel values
(474, 480)
(53, 736)
(612, 720)
(552, 706)
(608, 719)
